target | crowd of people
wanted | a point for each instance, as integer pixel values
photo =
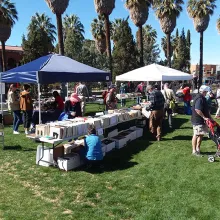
(22, 106)
(162, 104)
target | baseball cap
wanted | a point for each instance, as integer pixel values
(204, 88)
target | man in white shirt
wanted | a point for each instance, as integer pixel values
(169, 97)
(83, 93)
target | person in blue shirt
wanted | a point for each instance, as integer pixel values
(93, 148)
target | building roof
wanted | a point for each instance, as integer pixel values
(12, 48)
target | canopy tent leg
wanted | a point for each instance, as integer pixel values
(39, 105)
(67, 88)
(1, 97)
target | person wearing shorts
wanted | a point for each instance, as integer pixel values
(200, 114)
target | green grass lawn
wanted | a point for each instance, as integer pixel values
(144, 180)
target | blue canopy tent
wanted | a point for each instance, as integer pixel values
(51, 69)
(54, 68)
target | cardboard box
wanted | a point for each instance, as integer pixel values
(69, 162)
(139, 131)
(109, 145)
(8, 119)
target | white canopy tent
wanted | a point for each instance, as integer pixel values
(154, 72)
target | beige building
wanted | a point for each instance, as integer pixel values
(209, 70)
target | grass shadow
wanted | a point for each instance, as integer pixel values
(17, 147)
(120, 159)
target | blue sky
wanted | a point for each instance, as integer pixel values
(86, 12)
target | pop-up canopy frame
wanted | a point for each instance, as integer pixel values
(51, 69)
(154, 72)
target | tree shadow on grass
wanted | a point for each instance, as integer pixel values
(179, 137)
(120, 159)
(16, 147)
(176, 122)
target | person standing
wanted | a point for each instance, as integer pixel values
(217, 115)
(14, 106)
(187, 99)
(200, 114)
(111, 100)
(122, 92)
(140, 89)
(83, 93)
(26, 105)
(169, 102)
(157, 101)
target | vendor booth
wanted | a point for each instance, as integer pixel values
(51, 69)
(154, 72)
(56, 68)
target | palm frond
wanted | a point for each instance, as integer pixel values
(8, 12)
(218, 25)
(200, 8)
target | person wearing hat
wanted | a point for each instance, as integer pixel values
(200, 114)
(72, 106)
(157, 101)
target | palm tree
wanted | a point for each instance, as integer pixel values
(58, 7)
(8, 16)
(74, 24)
(200, 11)
(99, 34)
(42, 23)
(139, 10)
(167, 11)
(116, 27)
(218, 25)
(105, 8)
(164, 45)
(149, 34)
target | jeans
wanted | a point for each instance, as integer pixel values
(169, 115)
(187, 108)
(27, 118)
(17, 119)
(138, 100)
(123, 102)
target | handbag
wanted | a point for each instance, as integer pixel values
(169, 103)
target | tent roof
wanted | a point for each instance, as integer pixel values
(54, 68)
(154, 72)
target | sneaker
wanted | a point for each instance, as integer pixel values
(197, 154)
(27, 132)
(16, 132)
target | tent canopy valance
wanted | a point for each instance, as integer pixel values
(154, 72)
(54, 68)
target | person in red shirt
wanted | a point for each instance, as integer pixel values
(58, 100)
(187, 99)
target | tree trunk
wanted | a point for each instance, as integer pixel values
(61, 49)
(201, 60)
(4, 63)
(108, 40)
(141, 46)
(168, 51)
(60, 33)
